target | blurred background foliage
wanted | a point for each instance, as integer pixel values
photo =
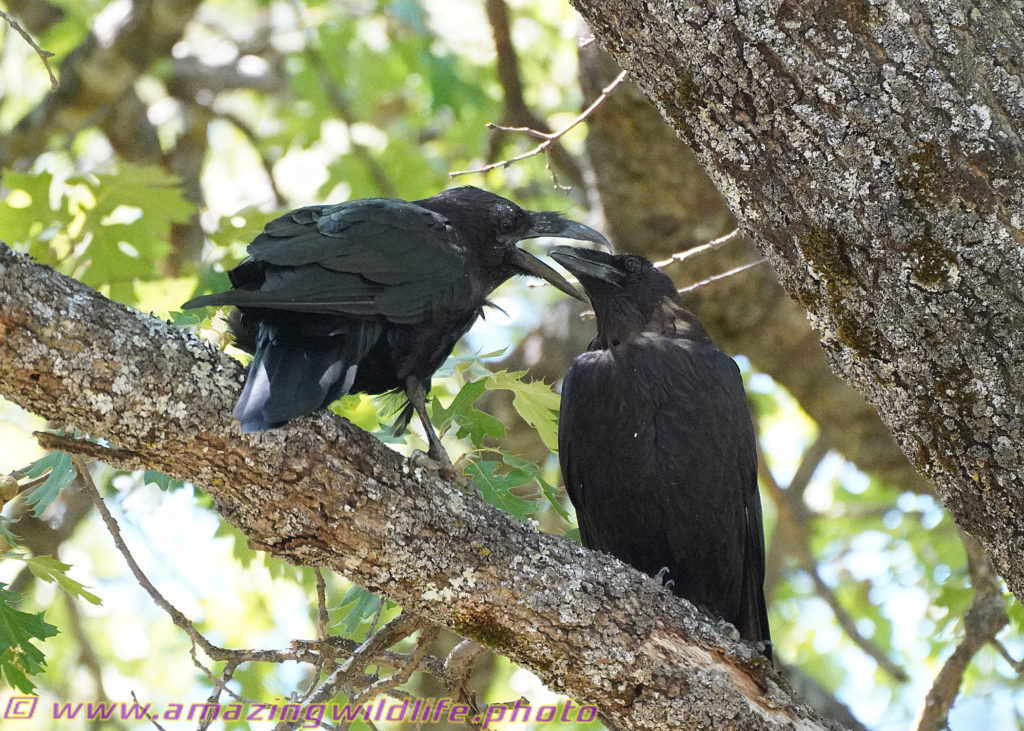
(263, 105)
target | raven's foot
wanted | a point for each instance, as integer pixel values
(660, 576)
(724, 626)
(766, 648)
(442, 466)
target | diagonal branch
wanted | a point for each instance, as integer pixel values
(805, 559)
(984, 619)
(321, 492)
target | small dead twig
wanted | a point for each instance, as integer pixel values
(44, 55)
(548, 139)
(457, 668)
(724, 275)
(149, 716)
(682, 256)
(428, 634)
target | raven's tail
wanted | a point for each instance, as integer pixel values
(293, 374)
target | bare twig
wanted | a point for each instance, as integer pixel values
(548, 138)
(180, 620)
(115, 532)
(682, 256)
(458, 666)
(322, 620)
(335, 646)
(346, 676)
(43, 54)
(428, 634)
(984, 619)
(220, 685)
(723, 275)
(348, 673)
(149, 716)
(1017, 665)
(516, 112)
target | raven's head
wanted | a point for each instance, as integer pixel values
(628, 293)
(493, 226)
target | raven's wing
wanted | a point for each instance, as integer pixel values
(375, 257)
(571, 428)
(658, 454)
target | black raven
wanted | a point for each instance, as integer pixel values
(371, 296)
(656, 443)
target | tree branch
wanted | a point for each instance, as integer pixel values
(323, 493)
(800, 544)
(984, 619)
(516, 113)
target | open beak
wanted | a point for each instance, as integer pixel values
(588, 264)
(549, 223)
(529, 264)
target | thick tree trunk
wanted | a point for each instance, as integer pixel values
(873, 152)
(322, 492)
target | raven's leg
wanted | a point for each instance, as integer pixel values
(416, 392)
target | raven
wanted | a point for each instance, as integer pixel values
(371, 295)
(656, 443)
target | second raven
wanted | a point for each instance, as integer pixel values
(371, 295)
(656, 443)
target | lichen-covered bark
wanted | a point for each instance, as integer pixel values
(322, 492)
(873, 152)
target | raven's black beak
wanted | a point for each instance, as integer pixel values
(549, 223)
(588, 264)
(529, 264)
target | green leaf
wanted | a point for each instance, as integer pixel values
(19, 658)
(554, 497)
(494, 487)
(535, 401)
(26, 211)
(357, 606)
(471, 422)
(163, 481)
(62, 472)
(128, 224)
(5, 531)
(50, 570)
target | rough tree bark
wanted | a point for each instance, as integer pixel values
(873, 152)
(321, 492)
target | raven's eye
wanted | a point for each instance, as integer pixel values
(633, 265)
(505, 218)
